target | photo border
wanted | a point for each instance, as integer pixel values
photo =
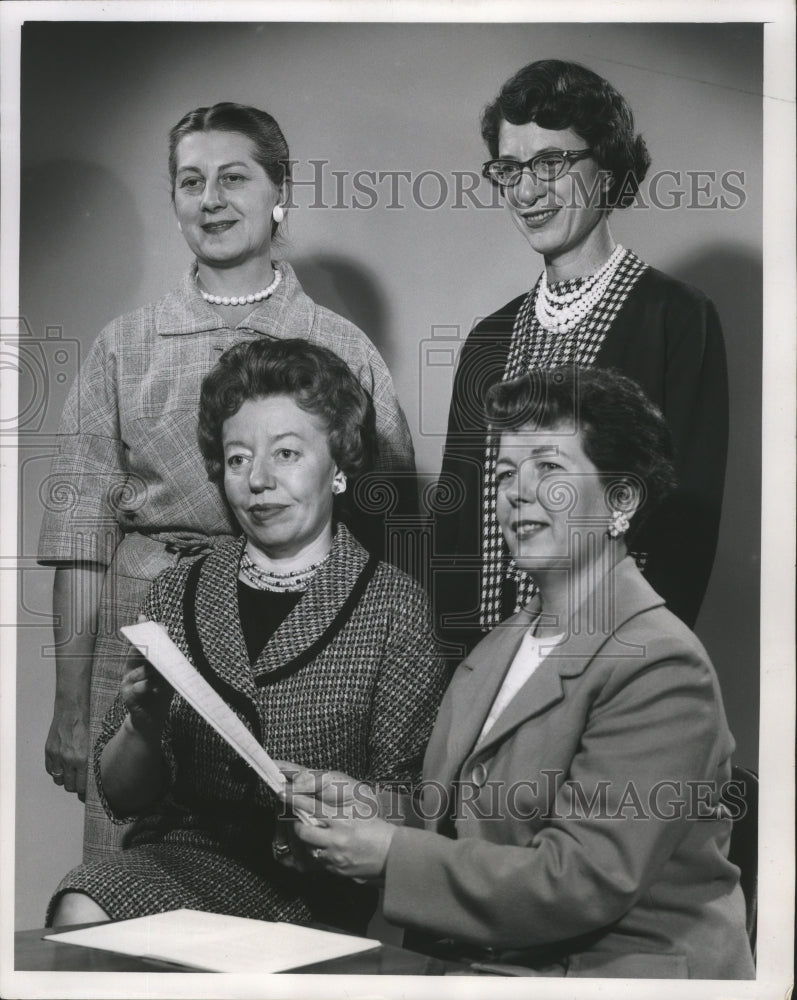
(776, 879)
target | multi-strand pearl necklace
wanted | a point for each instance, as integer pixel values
(263, 579)
(562, 312)
(241, 300)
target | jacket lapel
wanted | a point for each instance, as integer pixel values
(318, 608)
(218, 621)
(623, 594)
(473, 691)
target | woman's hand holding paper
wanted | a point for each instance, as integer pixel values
(348, 837)
(323, 793)
(348, 845)
(146, 695)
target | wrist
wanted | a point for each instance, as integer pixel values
(73, 680)
(70, 700)
(388, 831)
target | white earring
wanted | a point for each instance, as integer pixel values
(278, 213)
(339, 483)
(619, 524)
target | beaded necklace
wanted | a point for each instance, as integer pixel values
(262, 579)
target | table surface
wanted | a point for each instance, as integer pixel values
(34, 954)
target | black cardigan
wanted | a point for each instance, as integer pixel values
(667, 337)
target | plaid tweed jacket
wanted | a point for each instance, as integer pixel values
(360, 695)
(128, 458)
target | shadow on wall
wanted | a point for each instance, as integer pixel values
(72, 212)
(729, 621)
(343, 286)
(733, 279)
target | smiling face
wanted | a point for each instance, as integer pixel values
(223, 199)
(551, 499)
(278, 475)
(558, 218)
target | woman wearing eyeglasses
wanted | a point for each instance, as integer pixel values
(564, 155)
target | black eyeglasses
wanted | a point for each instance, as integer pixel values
(544, 166)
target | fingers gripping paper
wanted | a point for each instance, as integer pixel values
(153, 641)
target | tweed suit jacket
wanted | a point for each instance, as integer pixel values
(587, 831)
(341, 685)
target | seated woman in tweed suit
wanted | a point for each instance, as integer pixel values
(323, 651)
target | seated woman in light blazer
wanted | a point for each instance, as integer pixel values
(570, 813)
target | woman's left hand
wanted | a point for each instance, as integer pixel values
(356, 848)
(327, 792)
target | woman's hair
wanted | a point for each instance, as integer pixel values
(622, 433)
(561, 95)
(270, 147)
(314, 377)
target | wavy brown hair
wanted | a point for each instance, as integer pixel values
(313, 376)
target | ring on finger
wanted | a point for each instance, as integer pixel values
(280, 850)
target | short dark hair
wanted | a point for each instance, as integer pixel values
(622, 432)
(560, 95)
(313, 376)
(271, 148)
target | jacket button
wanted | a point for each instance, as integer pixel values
(479, 775)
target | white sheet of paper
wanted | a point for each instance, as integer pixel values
(213, 942)
(152, 639)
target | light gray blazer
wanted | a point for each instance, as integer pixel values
(588, 831)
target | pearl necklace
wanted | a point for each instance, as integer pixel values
(263, 579)
(241, 300)
(562, 312)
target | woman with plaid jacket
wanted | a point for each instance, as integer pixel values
(324, 651)
(127, 495)
(564, 155)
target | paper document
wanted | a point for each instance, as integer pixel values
(152, 639)
(213, 942)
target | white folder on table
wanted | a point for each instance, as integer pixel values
(214, 942)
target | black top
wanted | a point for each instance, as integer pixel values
(262, 612)
(667, 337)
